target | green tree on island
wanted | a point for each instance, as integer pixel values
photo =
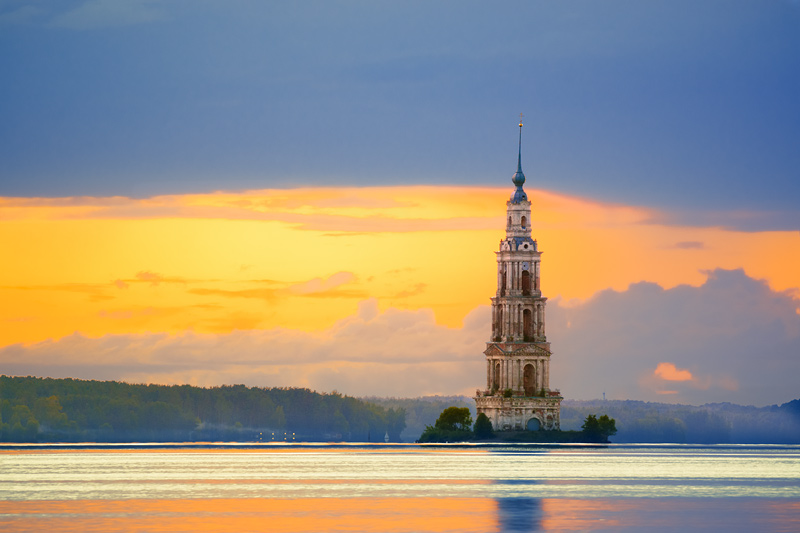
(599, 429)
(453, 425)
(483, 427)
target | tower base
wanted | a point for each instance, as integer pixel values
(520, 413)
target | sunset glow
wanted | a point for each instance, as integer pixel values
(303, 259)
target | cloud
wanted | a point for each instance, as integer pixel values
(95, 292)
(730, 339)
(261, 294)
(418, 288)
(364, 210)
(156, 279)
(93, 14)
(670, 372)
(400, 353)
(690, 245)
(319, 286)
(331, 287)
(731, 220)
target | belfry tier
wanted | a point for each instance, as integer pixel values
(518, 306)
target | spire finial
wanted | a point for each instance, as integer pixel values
(519, 157)
(519, 177)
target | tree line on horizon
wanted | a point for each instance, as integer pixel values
(717, 423)
(36, 409)
(69, 410)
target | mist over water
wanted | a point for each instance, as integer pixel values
(399, 488)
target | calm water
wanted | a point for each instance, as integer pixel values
(400, 488)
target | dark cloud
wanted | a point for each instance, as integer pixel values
(749, 220)
(737, 339)
(665, 102)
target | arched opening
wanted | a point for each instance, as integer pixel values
(509, 221)
(499, 326)
(497, 376)
(533, 424)
(527, 325)
(526, 283)
(524, 222)
(529, 380)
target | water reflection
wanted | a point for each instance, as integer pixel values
(519, 514)
(417, 489)
(396, 515)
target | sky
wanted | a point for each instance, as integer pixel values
(310, 193)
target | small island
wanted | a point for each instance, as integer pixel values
(455, 425)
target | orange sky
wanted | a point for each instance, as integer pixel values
(305, 258)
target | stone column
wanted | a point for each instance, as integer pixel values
(547, 374)
(509, 318)
(543, 333)
(499, 276)
(539, 375)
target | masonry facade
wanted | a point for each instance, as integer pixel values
(517, 394)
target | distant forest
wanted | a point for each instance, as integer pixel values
(714, 423)
(70, 410)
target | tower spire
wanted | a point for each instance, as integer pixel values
(519, 157)
(519, 178)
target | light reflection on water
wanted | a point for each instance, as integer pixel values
(405, 488)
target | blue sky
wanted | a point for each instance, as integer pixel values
(661, 148)
(679, 104)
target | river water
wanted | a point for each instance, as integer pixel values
(399, 488)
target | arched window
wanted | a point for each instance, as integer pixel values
(529, 380)
(526, 283)
(509, 221)
(497, 376)
(527, 325)
(524, 222)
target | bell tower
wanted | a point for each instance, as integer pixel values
(518, 394)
